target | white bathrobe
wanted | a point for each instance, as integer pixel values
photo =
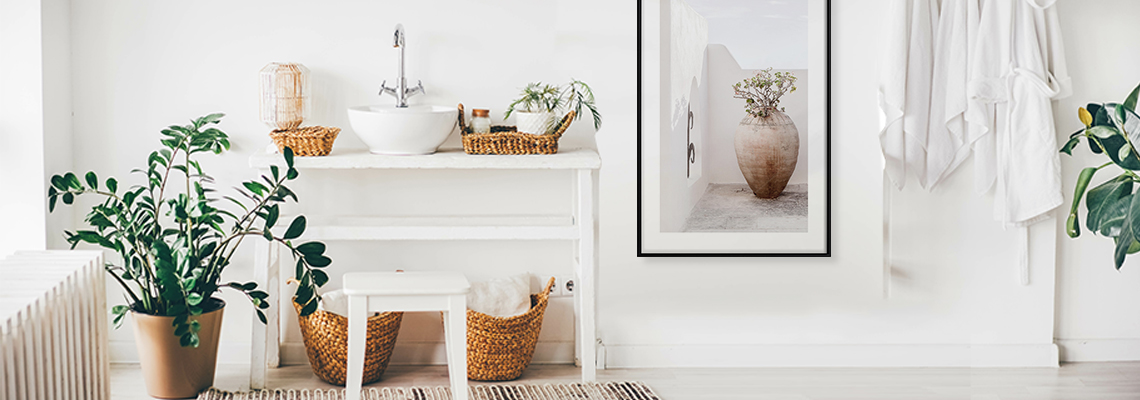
(904, 88)
(1019, 70)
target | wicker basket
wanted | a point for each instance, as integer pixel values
(500, 348)
(507, 140)
(306, 142)
(326, 341)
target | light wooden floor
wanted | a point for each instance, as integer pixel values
(1084, 381)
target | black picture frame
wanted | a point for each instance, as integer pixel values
(827, 252)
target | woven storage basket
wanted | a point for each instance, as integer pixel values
(326, 341)
(507, 140)
(500, 348)
(306, 142)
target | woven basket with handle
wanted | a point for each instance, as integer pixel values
(500, 348)
(507, 140)
(326, 341)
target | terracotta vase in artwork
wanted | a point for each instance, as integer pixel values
(766, 150)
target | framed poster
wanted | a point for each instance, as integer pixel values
(734, 142)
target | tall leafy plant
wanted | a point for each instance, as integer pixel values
(1113, 207)
(173, 241)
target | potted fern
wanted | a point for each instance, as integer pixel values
(537, 104)
(1113, 207)
(173, 242)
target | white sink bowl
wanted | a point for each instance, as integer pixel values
(418, 129)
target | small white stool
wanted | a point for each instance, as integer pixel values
(408, 291)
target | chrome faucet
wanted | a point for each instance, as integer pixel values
(402, 92)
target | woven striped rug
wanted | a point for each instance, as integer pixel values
(549, 391)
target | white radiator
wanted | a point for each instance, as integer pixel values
(53, 326)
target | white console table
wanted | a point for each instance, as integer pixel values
(580, 227)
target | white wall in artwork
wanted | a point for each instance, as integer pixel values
(761, 34)
(726, 111)
(688, 85)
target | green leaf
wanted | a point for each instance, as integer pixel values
(309, 308)
(271, 216)
(1124, 152)
(58, 182)
(1072, 143)
(1130, 103)
(261, 316)
(292, 174)
(320, 278)
(276, 171)
(92, 180)
(51, 203)
(194, 299)
(212, 118)
(304, 294)
(267, 234)
(189, 339)
(255, 187)
(112, 185)
(312, 248)
(1100, 199)
(68, 198)
(300, 271)
(288, 153)
(72, 181)
(318, 260)
(295, 229)
(1129, 233)
(1072, 226)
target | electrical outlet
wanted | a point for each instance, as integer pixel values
(563, 286)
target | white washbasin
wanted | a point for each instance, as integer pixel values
(417, 129)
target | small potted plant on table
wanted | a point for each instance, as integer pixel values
(173, 244)
(537, 104)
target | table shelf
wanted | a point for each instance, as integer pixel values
(509, 227)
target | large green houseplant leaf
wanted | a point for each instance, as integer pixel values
(172, 237)
(1113, 207)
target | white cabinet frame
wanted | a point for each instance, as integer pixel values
(581, 227)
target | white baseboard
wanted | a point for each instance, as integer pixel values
(743, 356)
(1091, 350)
(754, 356)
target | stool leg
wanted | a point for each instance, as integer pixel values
(357, 329)
(456, 330)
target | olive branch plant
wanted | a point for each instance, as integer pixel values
(1113, 207)
(174, 246)
(762, 92)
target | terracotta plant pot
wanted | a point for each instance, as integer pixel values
(535, 123)
(767, 150)
(170, 370)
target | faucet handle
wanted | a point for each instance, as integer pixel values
(385, 89)
(419, 89)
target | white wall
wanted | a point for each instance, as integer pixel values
(35, 132)
(726, 112)
(137, 66)
(1096, 305)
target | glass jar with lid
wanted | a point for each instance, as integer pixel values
(480, 121)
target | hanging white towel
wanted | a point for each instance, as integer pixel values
(950, 135)
(904, 88)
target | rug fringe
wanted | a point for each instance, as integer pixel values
(630, 390)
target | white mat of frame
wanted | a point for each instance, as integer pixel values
(549, 391)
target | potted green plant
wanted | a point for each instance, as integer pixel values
(173, 242)
(537, 104)
(767, 142)
(1113, 207)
